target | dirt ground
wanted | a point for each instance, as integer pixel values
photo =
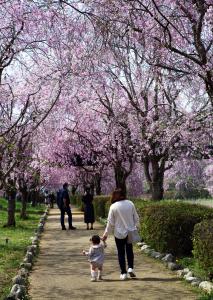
(62, 272)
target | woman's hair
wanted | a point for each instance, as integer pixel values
(118, 195)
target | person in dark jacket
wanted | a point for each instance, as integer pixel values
(64, 206)
(89, 216)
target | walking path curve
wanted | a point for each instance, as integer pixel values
(62, 272)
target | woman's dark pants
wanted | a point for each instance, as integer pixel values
(124, 248)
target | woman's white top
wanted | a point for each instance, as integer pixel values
(122, 218)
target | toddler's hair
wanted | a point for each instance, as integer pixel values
(95, 239)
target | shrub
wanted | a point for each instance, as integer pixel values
(192, 193)
(77, 200)
(170, 194)
(168, 226)
(203, 245)
(101, 206)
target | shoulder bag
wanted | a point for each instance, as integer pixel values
(132, 235)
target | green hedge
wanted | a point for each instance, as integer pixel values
(168, 226)
(195, 193)
(203, 245)
(101, 206)
(77, 200)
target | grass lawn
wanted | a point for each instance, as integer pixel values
(12, 253)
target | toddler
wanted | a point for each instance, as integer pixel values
(96, 257)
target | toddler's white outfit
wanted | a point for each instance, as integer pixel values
(96, 258)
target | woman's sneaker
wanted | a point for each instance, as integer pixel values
(123, 277)
(131, 273)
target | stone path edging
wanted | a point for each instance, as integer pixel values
(170, 262)
(20, 281)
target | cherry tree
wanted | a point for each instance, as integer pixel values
(30, 86)
(179, 31)
(187, 178)
(101, 88)
(182, 30)
(98, 135)
(162, 129)
(209, 176)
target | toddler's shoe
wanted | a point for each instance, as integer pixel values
(93, 279)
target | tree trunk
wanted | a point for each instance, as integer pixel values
(92, 188)
(74, 189)
(11, 221)
(34, 198)
(209, 85)
(157, 190)
(155, 179)
(98, 184)
(98, 187)
(120, 178)
(24, 198)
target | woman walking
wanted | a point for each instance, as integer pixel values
(89, 216)
(122, 218)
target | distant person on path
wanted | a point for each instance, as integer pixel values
(46, 198)
(63, 202)
(89, 216)
(122, 218)
(96, 257)
(52, 199)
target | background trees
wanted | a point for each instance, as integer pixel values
(135, 95)
(96, 91)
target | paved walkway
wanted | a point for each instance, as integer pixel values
(61, 272)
